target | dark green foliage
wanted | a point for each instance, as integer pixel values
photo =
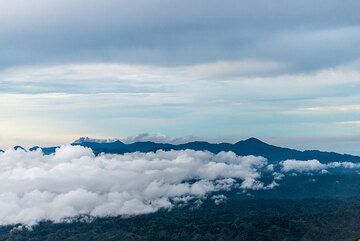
(238, 219)
(328, 186)
(305, 207)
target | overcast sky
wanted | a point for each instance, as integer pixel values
(284, 71)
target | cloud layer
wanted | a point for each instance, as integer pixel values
(207, 100)
(73, 182)
(175, 32)
(315, 166)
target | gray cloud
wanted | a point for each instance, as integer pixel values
(303, 34)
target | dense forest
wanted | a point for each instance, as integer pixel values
(247, 219)
(311, 211)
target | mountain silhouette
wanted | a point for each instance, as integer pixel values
(251, 146)
(19, 147)
(45, 150)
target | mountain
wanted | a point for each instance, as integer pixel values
(251, 146)
(45, 150)
(107, 147)
(19, 147)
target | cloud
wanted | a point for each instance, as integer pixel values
(73, 182)
(158, 138)
(126, 78)
(355, 123)
(102, 77)
(315, 166)
(218, 199)
(302, 166)
(176, 32)
(184, 96)
(349, 165)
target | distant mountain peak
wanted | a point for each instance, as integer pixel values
(250, 146)
(19, 147)
(252, 140)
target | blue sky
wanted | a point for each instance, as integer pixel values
(284, 71)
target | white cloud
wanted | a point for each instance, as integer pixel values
(344, 165)
(302, 166)
(327, 109)
(350, 123)
(314, 166)
(73, 182)
(158, 138)
(218, 199)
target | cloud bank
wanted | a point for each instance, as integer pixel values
(315, 166)
(158, 138)
(302, 166)
(177, 32)
(73, 182)
(142, 137)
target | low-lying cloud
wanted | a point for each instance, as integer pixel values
(73, 182)
(314, 166)
(302, 166)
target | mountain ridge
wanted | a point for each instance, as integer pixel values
(250, 146)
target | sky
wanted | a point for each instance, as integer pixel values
(287, 72)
